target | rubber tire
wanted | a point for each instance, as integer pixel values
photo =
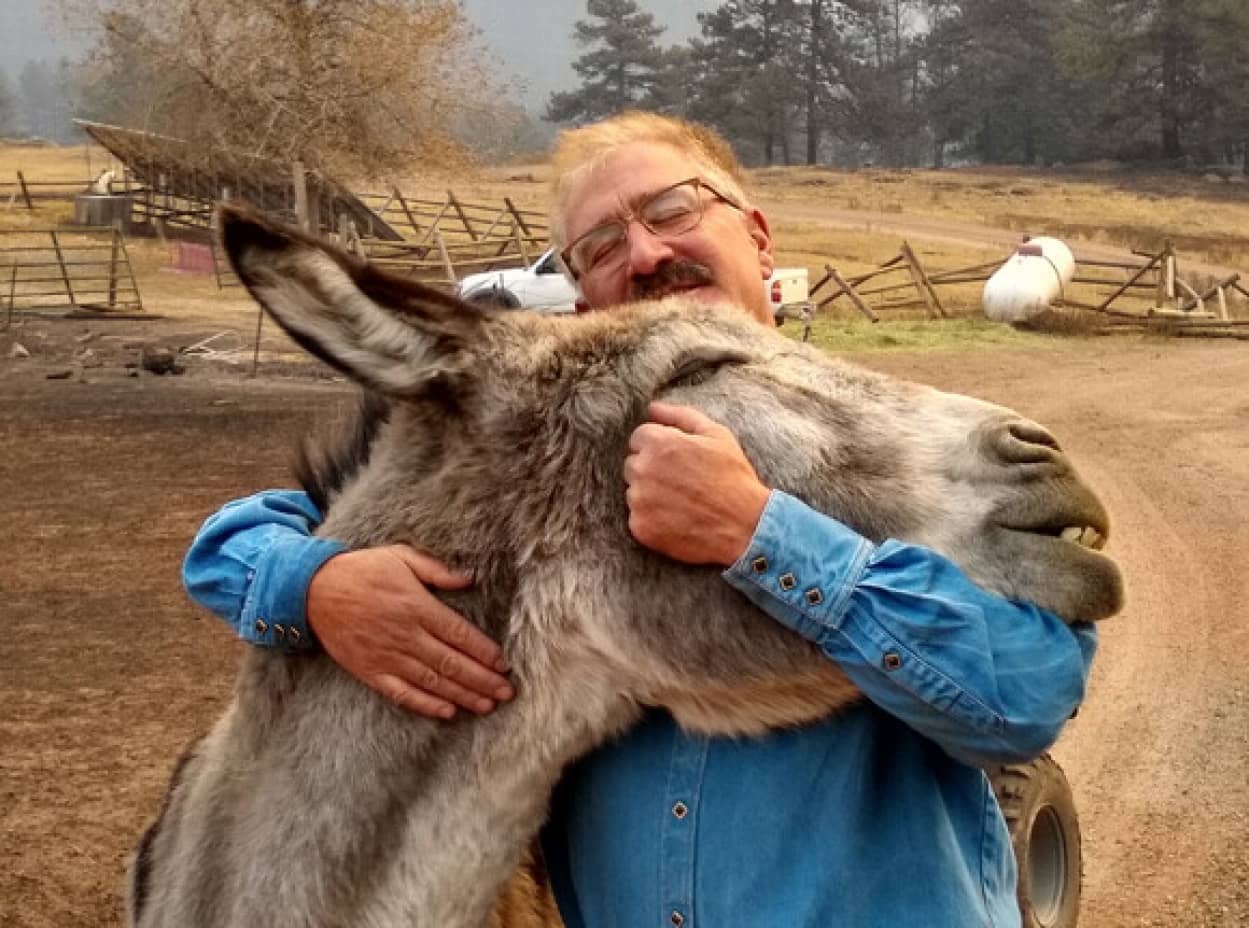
(495, 298)
(1040, 812)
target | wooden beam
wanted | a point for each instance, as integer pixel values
(1105, 304)
(446, 259)
(850, 292)
(922, 284)
(1213, 290)
(468, 226)
(520, 220)
(60, 259)
(398, 195)
(25, 192)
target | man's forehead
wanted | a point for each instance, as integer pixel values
(624, 178)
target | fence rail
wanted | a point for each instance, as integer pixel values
(25, 192)
(87, 268)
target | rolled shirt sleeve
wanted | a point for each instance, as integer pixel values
(251, 564)
(988, 679)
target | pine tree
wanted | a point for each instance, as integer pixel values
(747, 75)
(8, 108)
(621, 67)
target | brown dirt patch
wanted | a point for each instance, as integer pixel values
(107, 670)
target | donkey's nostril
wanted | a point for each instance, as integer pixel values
(1024, 442)
(1033, 434)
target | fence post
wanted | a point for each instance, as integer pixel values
(60, 259)
(112, 271)
(520, 244)
(468, 226)
(446, 259)
(398, 195)
(520, 221)
(922, 284)
(850, 292)
(125, 256)
(21, 181)
(1105, 304)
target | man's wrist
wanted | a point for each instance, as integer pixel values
(275, 612)
(745, 525)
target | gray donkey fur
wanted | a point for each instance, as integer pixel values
(314, 802)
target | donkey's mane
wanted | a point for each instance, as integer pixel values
(323, 465)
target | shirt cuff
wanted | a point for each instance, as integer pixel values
(801, 566)
(274, 613)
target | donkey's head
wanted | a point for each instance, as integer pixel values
(518, 423)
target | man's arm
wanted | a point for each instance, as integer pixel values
(257, 565)
(987, 679)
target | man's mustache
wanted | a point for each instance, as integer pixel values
(670, 276)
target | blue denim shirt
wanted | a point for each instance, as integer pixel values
(876, 818)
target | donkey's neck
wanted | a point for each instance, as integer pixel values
(484, 799)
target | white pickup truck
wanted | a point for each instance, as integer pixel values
(543, 286)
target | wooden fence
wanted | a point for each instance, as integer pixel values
(25, 193)
(86, 268)
(1147, 293)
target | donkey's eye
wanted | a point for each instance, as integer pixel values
(698, 367)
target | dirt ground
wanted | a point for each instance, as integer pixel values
(107, 670)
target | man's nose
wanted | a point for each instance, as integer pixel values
(646, 249)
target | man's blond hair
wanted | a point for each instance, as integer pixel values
(579, 151)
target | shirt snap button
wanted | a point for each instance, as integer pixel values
(892, 660)
(814, 597)
(759, 565)
(261, 626)
(677, 919)
(787, 581)
(680, 810)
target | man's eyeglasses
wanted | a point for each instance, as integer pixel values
(672, 211)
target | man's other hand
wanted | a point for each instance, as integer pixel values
(373, 614)
(692, 493)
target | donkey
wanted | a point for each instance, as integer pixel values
(495, 440)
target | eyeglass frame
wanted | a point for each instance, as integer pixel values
(635, 213)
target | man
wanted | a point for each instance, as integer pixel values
(877, 817)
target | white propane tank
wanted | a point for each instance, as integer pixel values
(1032, 279)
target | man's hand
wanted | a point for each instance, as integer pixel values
(692, 494)
(374, 616)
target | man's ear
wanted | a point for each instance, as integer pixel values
(386, 333)
(761, 234)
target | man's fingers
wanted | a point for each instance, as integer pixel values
(451, 628)
(645, 434)
(451, 663)
(412, 699)
(686, 418)
(420, 675)
(446, 623)
(431, 571)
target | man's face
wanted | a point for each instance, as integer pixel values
(734, 248)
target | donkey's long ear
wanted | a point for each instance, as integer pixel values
(389, 334)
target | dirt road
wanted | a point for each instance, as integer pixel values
(106, 670)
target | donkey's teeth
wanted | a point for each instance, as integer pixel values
(1083, 535)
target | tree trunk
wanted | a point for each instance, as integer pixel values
(1171, 143)
(813, 76)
